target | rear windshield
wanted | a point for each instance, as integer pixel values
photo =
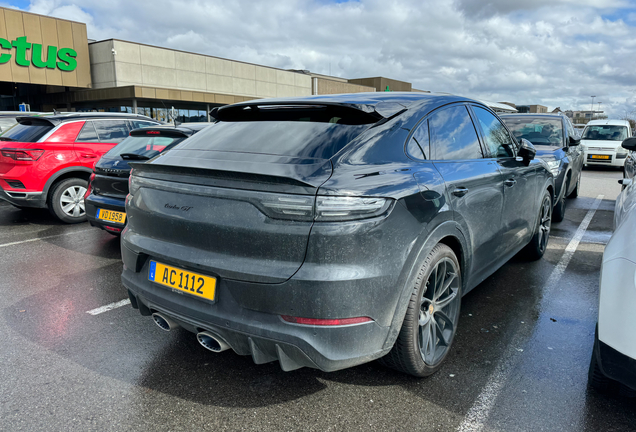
(605, 132)
(304, 139)
(26, 132)
(149, 146)
(537, 130)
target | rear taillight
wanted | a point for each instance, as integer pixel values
(323, 208)
(89, 189)
(325, 322)
(23, 155)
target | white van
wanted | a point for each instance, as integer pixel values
(601, 141)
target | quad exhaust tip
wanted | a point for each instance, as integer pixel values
(212, 342)
(164, 323)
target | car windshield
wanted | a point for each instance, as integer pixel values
(147, 146)
(537, 130)
(605, 132)
(27, 132)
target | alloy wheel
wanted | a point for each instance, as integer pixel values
(439, 310)
(544, 224)
(72, 201)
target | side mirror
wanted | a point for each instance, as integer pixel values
(625, 182)
(526, 150)
(574, 141)
(629, 144)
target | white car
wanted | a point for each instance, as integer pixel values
(601, 141)
(614, 356)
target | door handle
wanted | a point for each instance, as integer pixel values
(89, 155)
(460, 191)
(510, 182)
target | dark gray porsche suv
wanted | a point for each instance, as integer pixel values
(329, 231)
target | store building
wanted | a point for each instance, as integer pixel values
(50, 64)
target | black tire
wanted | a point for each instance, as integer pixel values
(595, 377)
(558, 214)
(577, 188)
(68, 190)
(423, 320)
(539, 242)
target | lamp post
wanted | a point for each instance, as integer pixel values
(599, 108)
(592, 107)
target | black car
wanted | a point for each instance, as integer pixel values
(559, 145)
(329, 231)
(108, 186)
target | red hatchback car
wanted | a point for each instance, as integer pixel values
(47, 161)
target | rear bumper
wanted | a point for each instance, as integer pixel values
(616, 365)
(93, 202)
(264, 336)
(24, 199)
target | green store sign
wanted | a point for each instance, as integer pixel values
(62, 59)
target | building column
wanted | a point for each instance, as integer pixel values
(134, 106)
(207, 111)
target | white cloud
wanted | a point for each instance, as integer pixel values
(550, 52)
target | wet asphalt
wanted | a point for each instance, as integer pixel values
(519, 361)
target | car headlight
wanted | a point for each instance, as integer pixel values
(621, 150)
(554, 165)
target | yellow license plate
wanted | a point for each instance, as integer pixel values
(111, 216)
(182, 280)
(599, 156)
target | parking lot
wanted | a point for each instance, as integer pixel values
(75, 356)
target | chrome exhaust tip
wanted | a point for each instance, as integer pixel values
(212, 342)
(164, 323)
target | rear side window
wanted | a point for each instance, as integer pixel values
(136, 124)
(453, 135)
(148, 146)
(88, 133)
(111, 131)
(418, 146)
(28, 131)
(6, 123)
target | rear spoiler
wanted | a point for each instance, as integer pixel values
(282, 109)
(35, 120)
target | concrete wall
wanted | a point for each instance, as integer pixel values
(49, 32)
(144, 65)
(327, 86)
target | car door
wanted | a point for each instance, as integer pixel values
(97, 137)
(473, 183)
(519, 182)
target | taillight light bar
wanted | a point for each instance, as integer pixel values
(325, 322)
(89, 189)
(24, 155)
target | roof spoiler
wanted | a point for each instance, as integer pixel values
(364, 113)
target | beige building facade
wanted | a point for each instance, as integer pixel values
(50, 64)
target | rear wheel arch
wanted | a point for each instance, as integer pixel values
(66, 173)
(448, 233)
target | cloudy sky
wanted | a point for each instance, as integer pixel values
(549, 52)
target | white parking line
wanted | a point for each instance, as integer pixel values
(478, 414)
(43, 238)
(108, 307)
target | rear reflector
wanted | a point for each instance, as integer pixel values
(111, 229)
(15, 184)
(22, 154)
(325, 322)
